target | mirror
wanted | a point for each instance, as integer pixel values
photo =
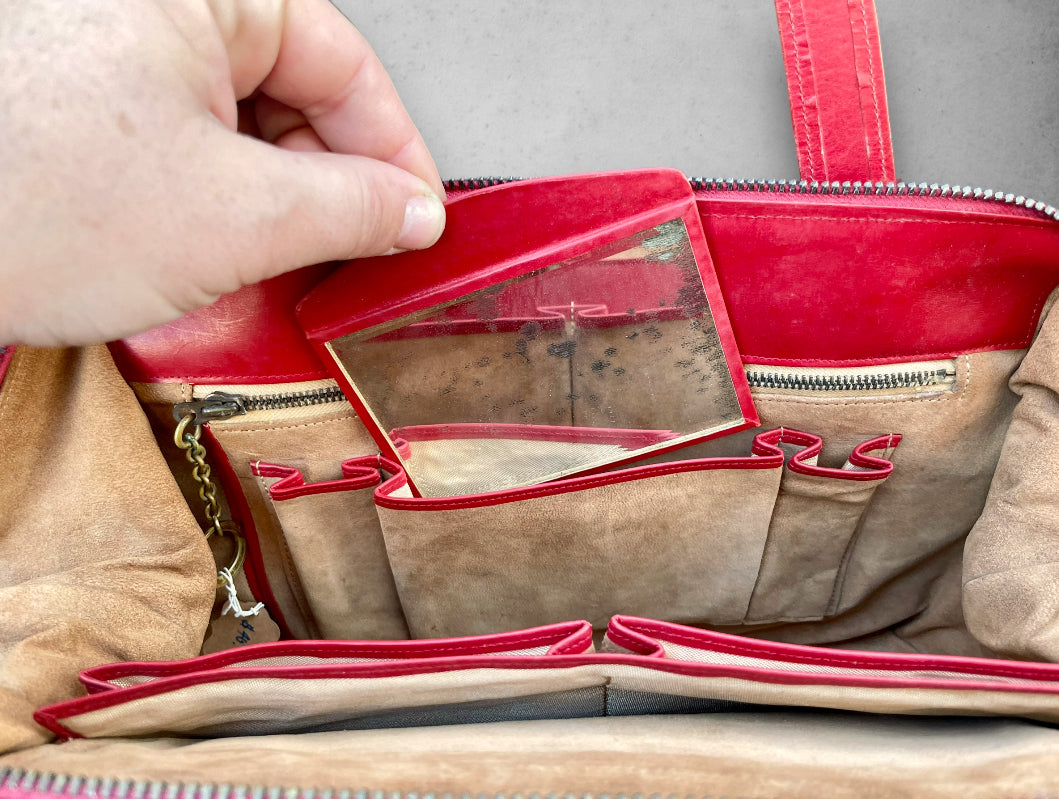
(598, 359)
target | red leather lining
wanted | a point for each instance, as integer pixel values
(833, 61)
(827, 283)
(835, 280)
(249, 336)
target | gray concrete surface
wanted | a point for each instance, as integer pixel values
(520, 88)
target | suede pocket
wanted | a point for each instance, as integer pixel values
(813, 528)
(308, 427)
(680, 540)
(333, 539)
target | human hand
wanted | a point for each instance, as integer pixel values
(128, 198)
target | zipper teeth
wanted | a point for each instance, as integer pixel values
(877, 189)
(878, 381)
(811, 187)
(469, 184)
(293, 399)
(757, 377)
(39, 782)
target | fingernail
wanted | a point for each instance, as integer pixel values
(424, 219)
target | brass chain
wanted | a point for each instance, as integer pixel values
(195, 452)
(200, 470)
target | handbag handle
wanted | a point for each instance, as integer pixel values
(833, 61)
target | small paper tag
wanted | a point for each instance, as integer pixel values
(228, 631)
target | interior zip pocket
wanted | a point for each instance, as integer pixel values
(923, 377)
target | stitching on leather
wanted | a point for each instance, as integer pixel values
(872, 220)
(575, 639)
(229, 431)
(801, 87)
(866, 401)
(884, 172)
(238, 378)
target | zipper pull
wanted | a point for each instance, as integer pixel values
(217, 405)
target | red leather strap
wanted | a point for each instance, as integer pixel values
(838, 97)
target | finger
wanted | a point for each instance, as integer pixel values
(326, 70)
(285, 127)
(274, 119)
(298, 208)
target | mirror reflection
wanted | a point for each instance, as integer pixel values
(568, 368)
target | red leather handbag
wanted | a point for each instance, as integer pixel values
(857, 593)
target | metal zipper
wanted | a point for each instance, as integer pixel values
(471, 184)
(816, 187)
(70, 787)
(858, 380)
(224, 405)
(889, 377)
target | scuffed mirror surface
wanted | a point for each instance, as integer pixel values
(568, 368)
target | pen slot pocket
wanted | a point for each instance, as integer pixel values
(335, 545)
(814, 526)
(682, 540)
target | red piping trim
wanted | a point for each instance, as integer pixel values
(561, 637)
(49, 717)
(638, 630)
(628, 438)
(242, 379)
(766, 456)
(881, 468)
(292, 483)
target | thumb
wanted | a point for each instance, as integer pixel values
(310, 207)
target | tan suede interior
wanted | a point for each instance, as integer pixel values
(316, 442)
(812, 528)
(272, 704)
(890, 580)
(1011, 560)
(102, 561)
(810, 560)
(650, 546)
(337, 550)
(781, 754)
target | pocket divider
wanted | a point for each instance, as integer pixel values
(332, 534)
(813, 527)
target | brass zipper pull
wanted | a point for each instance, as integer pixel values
(217, 405)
